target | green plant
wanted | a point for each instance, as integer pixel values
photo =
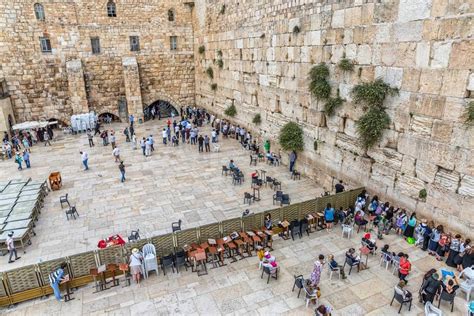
(202, 49)
(210, 72)
(332, 104)
(319, 86)
(291, 137)
(231, 111)
(372, 93)
(371, 125)
(315, 145)
(296, 29)
(470, 113)
(346, 64)
(422, 194)
(220, 63)
(219, 53)
(222, 9)
(257, 119)
(214, 86)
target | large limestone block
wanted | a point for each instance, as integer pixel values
(383, 33)
(335, 123)
(426, 150)
(470, 85)
(463, 160)
(408, 32)
(412, 10)
(455, 83)
(439, 8)
(350, 128)
(442, 131)
(383, 175)
(431, 81)
(353, 16)
(462, 54)
(350, 144)
(444, 199)
(391, 75)
(467, 186)
(387, 157)
(441, 52)
(447, 179)
(337, 19)
(411, 80)
(422, 54)
(364, 55)
(463, 136)
(428, 105)
(409, 186)
(408, 166)
(421, 125)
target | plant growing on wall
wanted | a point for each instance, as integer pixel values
(470, 113)
(231, 111)
(332, 104)
(222, 9)
(219, 53)
(257, 119)
(291, 137)
(220, 63)
(373, 93)
(422, 194)
(202, 49)
(210, 72)
(214, 86)
(346, 65)
(296, 29)
(319, 85)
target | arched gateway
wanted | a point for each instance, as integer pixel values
(160, 108)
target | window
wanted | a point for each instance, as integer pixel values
(45, 44)
(170, 15)
(39, 11)
(134, 44)
(95, 44)
(111, 9)
(173, 42)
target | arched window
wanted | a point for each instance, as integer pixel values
(111, 9)
(170, 15)
(39, 11)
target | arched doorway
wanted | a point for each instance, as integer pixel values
(161, 109)
(58, 124)
(107, 117)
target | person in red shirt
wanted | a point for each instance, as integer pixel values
(405, 267)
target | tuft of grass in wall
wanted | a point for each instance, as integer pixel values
(373, 93)
(220, 63)
(202, 49)
(422, 194)
(291, 137)
(346, 65)
(214, 86)
(319, 85)
(222, 11)
(470, 113)
(231, 111)
(296, 29)
(219, 53)
(371, 125)
(210, 72)
(332, 104)
(257, 119)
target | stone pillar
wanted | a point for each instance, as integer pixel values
(77, 87)
(133, 93)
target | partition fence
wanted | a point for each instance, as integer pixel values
(31, 281)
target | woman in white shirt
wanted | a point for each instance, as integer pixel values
(135, 263)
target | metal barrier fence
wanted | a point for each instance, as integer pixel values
(32, 281)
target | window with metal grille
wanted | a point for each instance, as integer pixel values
(173, 42)
(95, 44)
(111, 9)
(134, 43)
(39, 11)
(45, 44)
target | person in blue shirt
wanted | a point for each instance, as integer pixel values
(334, 265)
(55, 278)
(26, 158)
(329, 216)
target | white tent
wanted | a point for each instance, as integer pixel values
(32, 124)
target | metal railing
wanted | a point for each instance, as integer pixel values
(31, 281)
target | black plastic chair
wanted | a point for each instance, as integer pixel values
(176, 226)
(277, 196)
(268, 271)
(63, 199)
(276, 184)
(180, 260)
(248, 198)
(224, 170)
(253, 160)
(285, 199)
(236, 179)
(72, 211)
(448, 297)
(269, 180)
(304, 227)
(295, 174)
(295, 229)
(402, 300)
(134, 236)
(167, 261)
(349, 261)
(299, 283)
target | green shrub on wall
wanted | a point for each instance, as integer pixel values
(210, 72)
(202, 49)
(214, 86)
(291, 137)
(220, 63)
(319, 85)
(422, 194)
(373, 93)
(470, 113)
(332, 104)
(231, 111)
(346, 65)
(257, 119)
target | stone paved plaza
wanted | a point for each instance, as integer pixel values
(174, 183)
(236, 289)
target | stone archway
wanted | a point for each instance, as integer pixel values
(114, 117)
(162, 109)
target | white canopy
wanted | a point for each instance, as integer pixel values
(32, 124)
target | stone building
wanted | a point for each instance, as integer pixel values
(261, 52)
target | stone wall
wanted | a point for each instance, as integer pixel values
(422, 47)
(38, 82)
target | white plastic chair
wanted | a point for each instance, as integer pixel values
(385, 259)
(150, 262)
(431, 310)
(467, 287)
(395, 264)
(347, 230)
(331, 270)
(310, 296)
(216, 148)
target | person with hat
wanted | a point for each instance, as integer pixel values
(135, 263)
(11, 248)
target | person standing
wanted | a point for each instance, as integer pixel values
(90, 137)
(131, 130)
(55, 278)
(18, 160)
(329, 216)
(132, 119)
(165, 136)
(317, 269)
(85, 160)
(135, 263)
(26, 158)
(142, 145)
(105, 137)
(134, 142)
(206, 143)
(11, 248)
(266, 146)
(148, 147)
(200, 143)
(127, 135)
(116, 153)
(214, 136)
(339, 187)
(112, 139)
(46, 139)
(405, 267)
(26, 143)
(122, 171)
(293, 158)
(97, 128)
(151, 143)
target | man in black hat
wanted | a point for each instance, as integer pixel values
(11, 248)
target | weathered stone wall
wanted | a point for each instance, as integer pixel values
(38, 82)
(423, 47)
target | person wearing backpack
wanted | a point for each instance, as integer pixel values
(431, 288)
(55, 278)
